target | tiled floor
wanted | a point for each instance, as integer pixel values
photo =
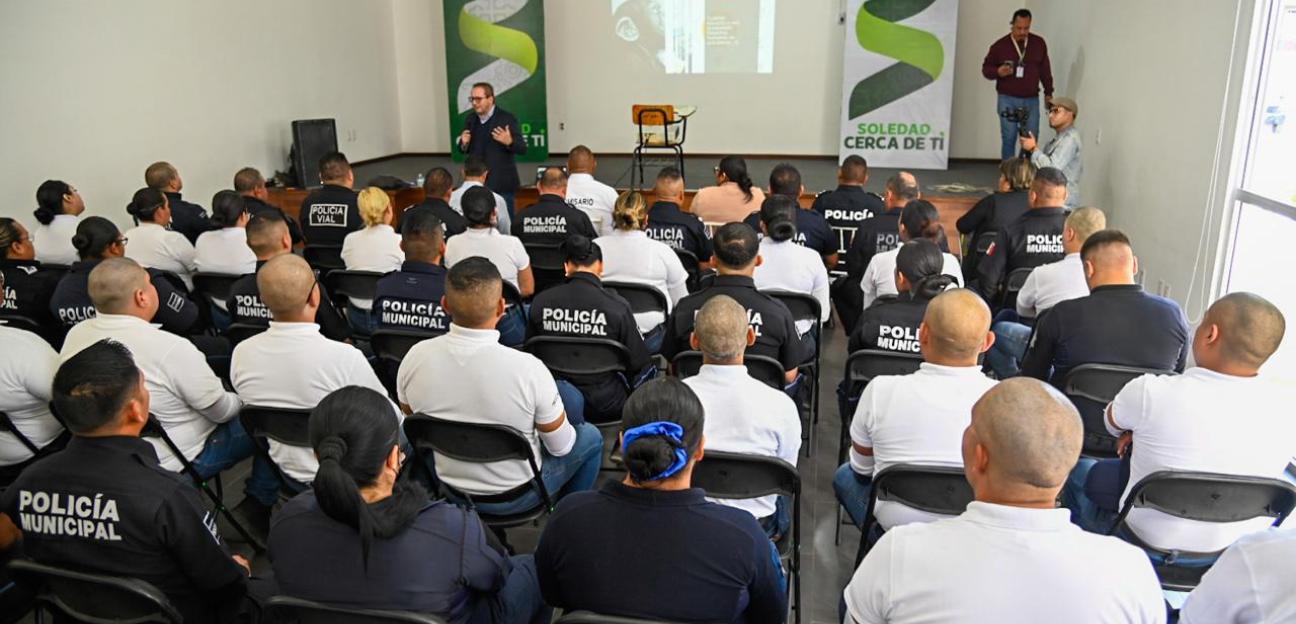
(826, 567)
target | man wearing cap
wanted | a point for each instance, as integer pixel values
(1063, 152)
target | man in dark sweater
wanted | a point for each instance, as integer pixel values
(494, 135)
(1019, 63)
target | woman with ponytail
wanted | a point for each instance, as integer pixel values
(919, 220)
(225, 249)
(786, 265)
(629, 255)
(367, 536)
(651, 546)
(27, 285)
(891, 323)
(732, 198)
(152, 243)
(59, 208)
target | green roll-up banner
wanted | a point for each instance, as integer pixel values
(500, 42)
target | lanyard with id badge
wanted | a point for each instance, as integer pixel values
(1020, 69)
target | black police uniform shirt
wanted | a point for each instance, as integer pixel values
(844, 207)
(245, 306)
(187, 218)
(581, 307)
(328, 214)
(256, 207)
(1035, 238)
(890, 324)
(991, 214)
(775, 327)
(104, 505)
(1115, 324)
(452, 222)
(500, 158)
(813, 231)
(874, 235)
(28, 290)
(410, 299)
(550, 221)
(678, 229)
(177, 312)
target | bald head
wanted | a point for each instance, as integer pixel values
(1031, 436)
(1250, 329)
(553, 180)
(113, 284)
(721, 329)
(580, 160)
(285, 284)
(901, 189)
(955, 328)
(266, 235)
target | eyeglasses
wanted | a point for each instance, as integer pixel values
(474, 98)
(121, 241)
(314, 283)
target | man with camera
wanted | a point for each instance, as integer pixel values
(1019, 64)
(1063, 152)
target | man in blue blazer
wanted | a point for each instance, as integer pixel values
(493, 134)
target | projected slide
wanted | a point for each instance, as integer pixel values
(699, 36)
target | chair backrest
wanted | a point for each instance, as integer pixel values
(1017, 279)
(590, 617)
(470, 442)
(511, 294)
(641, 297)
(283, 425)
(1102, 382)
(692, 266)
(324, 257)
(1211, 497)
(863, 365)
(289, 610)
(238, 332)
(738, 475)
(18, 321)
(153, 429)
(983, 241)
(934, 489)
(765, 369)
(804, 307)
(352, 284)
(547, 257)
(652, 114)
(392, 344)
(88, 597)
(568, 355)
(214, 286)
(7, 424)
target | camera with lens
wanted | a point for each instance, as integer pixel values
(1018, 115)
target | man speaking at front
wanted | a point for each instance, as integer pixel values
(493, 134)
(1018, 63)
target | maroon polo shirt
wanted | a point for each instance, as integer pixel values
(1035, 61)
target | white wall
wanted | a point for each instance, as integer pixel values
(92, 92)
(592, 82)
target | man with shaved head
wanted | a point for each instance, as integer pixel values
(1012, 556)
(918, 418)
(291, 364)
(1220, 416)
(547, 223)
(590, 196)
(1118, 323)
(743, 415)
(187, 398)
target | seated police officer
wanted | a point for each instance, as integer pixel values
(475, 173)
(410, 299)
(996, 210)
(28, 288)
(268, 237)
(891, 323)
(848, 204)
(249, 183)
(187, 218)
(104, 505)
(152, 244)
(365, 536)
(737, 255)
(550, 221)
(874, 235)
(331, 212)
(668, 223)
(437, 183)
(503, 250)
(630, 256)
(1117, 323)
(812, 230)
(96, 240)
(580, 307)
(27, 366)
(651, 546)
(785, 265)
(1035, 238)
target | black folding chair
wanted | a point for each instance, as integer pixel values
(390, 347)
(11, 472)
(214, 286)
(590, 617)
(344, 285)
(765, 369)
(571, 357)
(806, 308)
(641, 297)
(1100, 383)
(238, 332)
(18, 321)
(286, 426)
(87, 597)
(547, 265)
(1206, 497)
(692, 266)
(742, 476)
(324, 257)
(289, 610)
(934, 489)
(1013, 285)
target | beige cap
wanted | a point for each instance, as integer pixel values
(1067, 103)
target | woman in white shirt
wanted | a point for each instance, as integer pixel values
(59, 211)
(784, 264)
(630, 256)
(225, 250)
(151, 243)
(919, 219)
(375, 248)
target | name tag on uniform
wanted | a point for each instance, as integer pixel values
(1021, 71)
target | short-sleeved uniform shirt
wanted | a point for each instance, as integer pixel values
(187, 217)
(27, 292)
(1035, 238)
(410, 299)
(504, 251)
(776, 332)
(245, 306)
(328, 214)
(177, 312)
(844, 207)
(678, 229)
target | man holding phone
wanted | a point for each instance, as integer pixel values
(1019, 63)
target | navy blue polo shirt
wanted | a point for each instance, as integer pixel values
(549, 222)
(776, 334)
(678, 229)
(666, 555)
(452, 222)
(28, 289)
(844, 207)
(177, 311)
(245, 306)
(813, 231)
(187, 218)
(890, 324)
(328, 214)
(410, 298)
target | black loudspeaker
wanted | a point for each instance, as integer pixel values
(312, 139)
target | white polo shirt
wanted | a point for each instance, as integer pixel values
(1203, 421)
(53, 242)
(794, 268)
(156, 247)
(631, 256)
(594, 198)
(460, 376)
(915, 419)
(996, 563)
(879, 277)
(185, 396)
(504, 251)
(293, 366)
(502, 221)
(744, 415)
(1250, 583)
(27, 365)
(375, 248)
(1052, 283)
(224, 251)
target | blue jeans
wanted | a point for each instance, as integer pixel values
(853, 490)
(1092, 493)
(1008, 129)
(363, 322)
(574, 472)
(653, 339)
(573, 401)
(228, 445)
(1011, 341)
(518, 600)
(512, 327)
(779, 523)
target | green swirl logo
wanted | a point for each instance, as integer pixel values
(514, 50)
(919, 54)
